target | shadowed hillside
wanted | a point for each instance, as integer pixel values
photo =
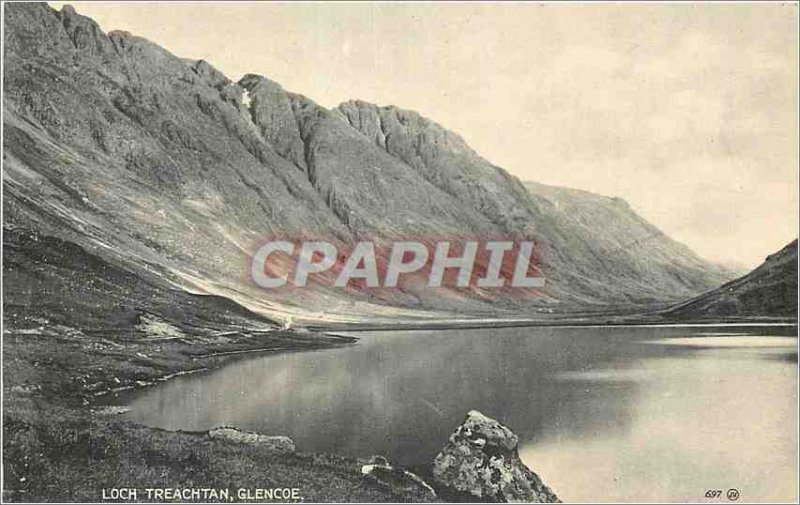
(769, 290)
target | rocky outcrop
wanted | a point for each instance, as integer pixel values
(481, 462)
(272, 443)
(270, 109)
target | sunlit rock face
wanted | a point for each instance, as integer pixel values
(481, 461)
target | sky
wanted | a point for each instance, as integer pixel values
(687, 111)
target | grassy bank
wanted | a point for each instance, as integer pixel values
(57, 447)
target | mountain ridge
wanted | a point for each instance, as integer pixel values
(167, 165)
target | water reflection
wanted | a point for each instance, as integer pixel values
(653, 414)
(717, 417)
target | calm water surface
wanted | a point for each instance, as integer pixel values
(603, 414)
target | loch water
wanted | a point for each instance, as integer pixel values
(630, 413)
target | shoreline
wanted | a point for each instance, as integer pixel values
(73, 440)
(567, 323)
(214, 366)
(427, 326)
(430, 326)
(61, 444)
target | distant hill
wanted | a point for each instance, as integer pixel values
(768, 291)
(637, 256)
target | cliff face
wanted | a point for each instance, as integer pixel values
(769, 290)
(168, 168)
(593, 247)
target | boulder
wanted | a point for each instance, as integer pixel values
(274, 443)
(481, 463)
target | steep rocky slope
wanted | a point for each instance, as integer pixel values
(768, 291)
(167, 167)
(593, 247)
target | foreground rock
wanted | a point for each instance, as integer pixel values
(273, 443)
(481, 461)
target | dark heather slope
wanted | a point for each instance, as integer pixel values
(167, 167)
(75, 325)
(768, 291)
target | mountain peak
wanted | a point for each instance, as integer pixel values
(210, 75)
(250, 81)
(68, 10)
